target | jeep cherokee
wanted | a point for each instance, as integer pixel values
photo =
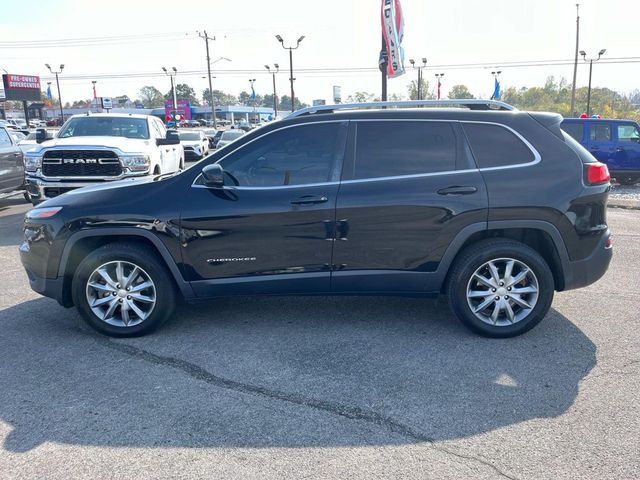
(494, 207)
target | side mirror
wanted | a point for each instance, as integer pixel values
(41, 135)
(173, 138)
(213, 176)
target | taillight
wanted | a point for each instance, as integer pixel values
(597, 173)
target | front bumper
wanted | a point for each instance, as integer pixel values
(40, 189)
(192, 154)
(49, 287)
(589, 270)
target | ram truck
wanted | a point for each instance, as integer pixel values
(91, 149)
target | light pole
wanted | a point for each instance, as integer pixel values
(496, 83)
(95, 96)
(439, 78)
(172, 73)
(424, 64)
(590, 60)
(56, 73)
(291, 79)
(253, 97)
(275, 95)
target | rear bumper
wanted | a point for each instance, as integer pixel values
(590, 269)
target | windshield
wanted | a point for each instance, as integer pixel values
(104, 126)
(189, 135)
(231, 135)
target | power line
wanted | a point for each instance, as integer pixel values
(350, 70)
(93, 41)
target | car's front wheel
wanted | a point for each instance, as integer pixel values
(123, 290)
(500, 288)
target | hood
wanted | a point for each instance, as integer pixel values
(122, 143)
(79, 195)
(191, 143)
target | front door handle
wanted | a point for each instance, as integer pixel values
(595, 148)
(457, 190)
(309, 199)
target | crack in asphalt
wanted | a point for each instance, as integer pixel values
(347, 411)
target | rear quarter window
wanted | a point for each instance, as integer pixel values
(576, 130)
(496, 146)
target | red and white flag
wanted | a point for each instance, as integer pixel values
(392, 32)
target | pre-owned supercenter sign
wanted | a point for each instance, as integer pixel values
(21, 87)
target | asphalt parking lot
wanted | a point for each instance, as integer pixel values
(323, 387)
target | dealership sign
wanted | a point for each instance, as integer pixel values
(21, 87)
(183, 108)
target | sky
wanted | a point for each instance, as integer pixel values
(143, 36)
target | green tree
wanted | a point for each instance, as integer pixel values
(184, 92)
(362, 97)
(221, 98)
(151, 97)
(460, 91)
(285, 103)
(412, 90)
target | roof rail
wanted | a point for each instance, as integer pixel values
(473, 104)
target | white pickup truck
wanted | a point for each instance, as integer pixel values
(95, 148)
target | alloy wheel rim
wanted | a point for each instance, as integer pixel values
(121, 294)
(502, 292)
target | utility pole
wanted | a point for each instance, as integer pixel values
(575, 63)
(275, 95)
(424, 64)
(56, 73)
(211, 100)
(590, 61)
(291, 79)
(172, 73)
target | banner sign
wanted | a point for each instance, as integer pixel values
(392, 32)
(183, 108)
(21, 87)
(337, 94)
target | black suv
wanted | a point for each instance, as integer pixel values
(493, 207)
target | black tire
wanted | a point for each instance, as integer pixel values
(151, 265)
(629, 180)
(477, 255)
(27, 197)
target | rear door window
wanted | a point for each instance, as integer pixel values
(496, 146)
(576, 130)
(628, 133)
(600, 132)
(400, 148)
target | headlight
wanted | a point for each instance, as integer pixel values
(39, 213)
(32, 162)
(136, 163)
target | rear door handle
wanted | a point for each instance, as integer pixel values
(309, 199)
(457, 190)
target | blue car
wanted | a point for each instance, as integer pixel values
(614, 142)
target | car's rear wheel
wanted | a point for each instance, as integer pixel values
(123, 290)
(500, 288)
